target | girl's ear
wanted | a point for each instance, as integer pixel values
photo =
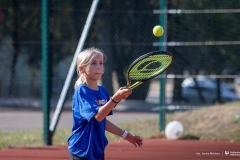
(81, 69)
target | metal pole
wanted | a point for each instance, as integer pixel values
(162, 39)
(45, 73)
(72, 68)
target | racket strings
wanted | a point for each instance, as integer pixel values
(149, 67)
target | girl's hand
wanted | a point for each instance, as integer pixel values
(134, 139)
(122, 93)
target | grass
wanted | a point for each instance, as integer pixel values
(218, 122)
(21, 139)
(145, 128)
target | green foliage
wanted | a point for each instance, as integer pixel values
(123, 29)
(205, 27)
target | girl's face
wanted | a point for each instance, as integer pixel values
(94, 70)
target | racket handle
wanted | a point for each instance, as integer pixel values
(136, 84)
(128, 83)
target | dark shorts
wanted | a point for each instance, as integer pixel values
(74, 157)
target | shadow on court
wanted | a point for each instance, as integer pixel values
(152, 149)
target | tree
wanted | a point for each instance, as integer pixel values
(198, 28)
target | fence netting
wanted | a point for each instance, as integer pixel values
(203, 37)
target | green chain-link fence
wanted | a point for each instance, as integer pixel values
(203, 37)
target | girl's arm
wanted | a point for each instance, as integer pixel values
(110, 127)
(103, 111)
(134, 139)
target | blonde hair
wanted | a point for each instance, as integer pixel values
(83, 59)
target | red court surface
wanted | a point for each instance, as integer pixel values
(153, 149)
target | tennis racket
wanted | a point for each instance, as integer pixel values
(147, 67)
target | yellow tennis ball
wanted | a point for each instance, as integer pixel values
(158, 31)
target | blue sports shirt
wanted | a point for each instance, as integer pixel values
(88, 138)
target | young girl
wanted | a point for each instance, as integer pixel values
(91, 105)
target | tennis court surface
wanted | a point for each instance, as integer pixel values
(152, 149)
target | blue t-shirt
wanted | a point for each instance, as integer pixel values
(88, 138)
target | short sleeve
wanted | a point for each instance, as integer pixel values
(87, 105)
(86, 102)
(88, 108)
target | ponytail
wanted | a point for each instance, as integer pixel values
(79, 81)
